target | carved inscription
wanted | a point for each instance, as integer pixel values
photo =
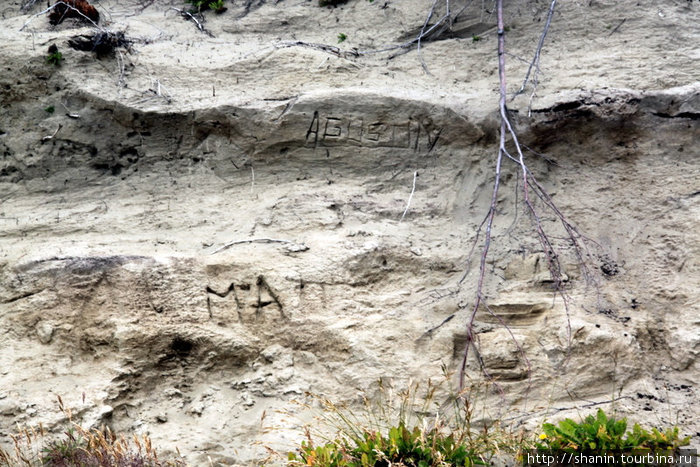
(252, 303)
(231, 289)
(336, 130)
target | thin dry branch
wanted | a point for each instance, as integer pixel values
(468, 262)
(445, 22)
(121, 80)
(535, 63)
(337, 51)
(193, 18)
(422, 33)
(427, 32)
(410, 197)
(156, 90)
(70, 114)
(43, 12)
(258, 240)
(28, 5)
(617, 27)
(578, 241)
(49, 137)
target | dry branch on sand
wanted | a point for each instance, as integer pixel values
(196, 18)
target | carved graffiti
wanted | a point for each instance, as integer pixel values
(415, 134)
(253, 303)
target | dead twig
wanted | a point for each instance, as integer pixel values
(28, 5)
(430, 331)
(338, 52)
(617, 27)
(299, 246)
(421, 37)
(121, 80)
(535, 63)
(157, 90)
(48, 137)
(410, 197)
(422, 33)
(427, 32)
(70, 114)
(494, 197)
(193, 18)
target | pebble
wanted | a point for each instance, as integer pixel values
(45, 331)
(9, 407)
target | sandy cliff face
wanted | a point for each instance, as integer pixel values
(208, 226)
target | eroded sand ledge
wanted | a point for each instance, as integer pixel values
(113, 277)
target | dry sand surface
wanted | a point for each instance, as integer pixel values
(199, 230)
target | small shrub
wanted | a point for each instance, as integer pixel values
(217, 5)
(403, 428)
(603, 434)
(415, 447)
(54, 57)
(341, 37)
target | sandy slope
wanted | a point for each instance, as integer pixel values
(115, 284)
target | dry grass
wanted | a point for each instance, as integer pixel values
(78, 447)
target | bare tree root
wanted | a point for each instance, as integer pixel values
(527, 184)
(28, 5)
(535, 63)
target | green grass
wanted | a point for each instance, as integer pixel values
(216, 5)
(412, 427)
(54, 58)
(604, 434)
(434, 427)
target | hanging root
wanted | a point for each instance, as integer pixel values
(528, 184)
